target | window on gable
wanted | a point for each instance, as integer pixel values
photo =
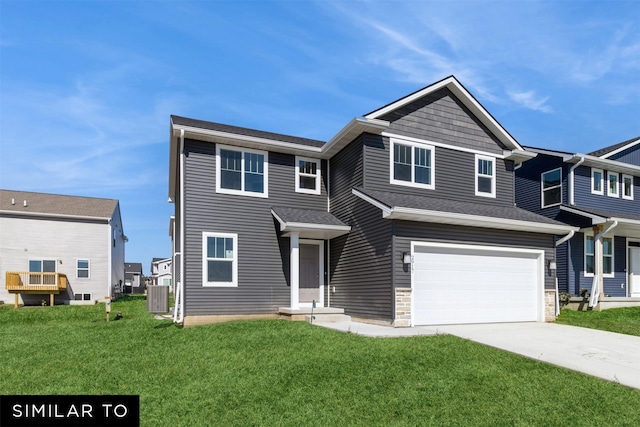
(597, 181)
(627, 187)
(412, 164)
(607, 256)
(612, 184)
(307, 175)
(551, 188)
(220, 259)
(82, 268)
(241, 171)
(485, 176)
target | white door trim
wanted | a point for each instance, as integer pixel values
(628, 255)
(320, 243)
(540, 267)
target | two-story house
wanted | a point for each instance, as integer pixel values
(60, 249)
(161, 271)
(598, 192)
(406, 216)
(133, 278)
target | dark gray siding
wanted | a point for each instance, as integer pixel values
(586, 199)
(262, 255)
(454, 174)
(528, 184)
(407, 231)
(441, 117)
(630, 155)
(562, 265)
(360, 261)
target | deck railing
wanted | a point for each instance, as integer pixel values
(28, 282)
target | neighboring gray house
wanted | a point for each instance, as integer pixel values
(65, 247)
(406, 216)
(600, 193)
(133, 278)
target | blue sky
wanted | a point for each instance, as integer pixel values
(87, 87)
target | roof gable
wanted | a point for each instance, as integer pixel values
(30, 203)
(462, 95)
(614, 149)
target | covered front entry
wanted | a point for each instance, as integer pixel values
(456, 284)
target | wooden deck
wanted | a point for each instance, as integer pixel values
(35, 283)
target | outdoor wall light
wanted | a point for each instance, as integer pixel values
(552, 265)
(406, 258)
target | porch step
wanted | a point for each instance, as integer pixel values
(302, 312)
(327, 318)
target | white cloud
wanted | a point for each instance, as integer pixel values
(529, 100)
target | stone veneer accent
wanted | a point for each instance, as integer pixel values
(403, 308)
(549, 305)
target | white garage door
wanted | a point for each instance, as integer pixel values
(455, 284)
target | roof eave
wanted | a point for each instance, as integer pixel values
(610, 165)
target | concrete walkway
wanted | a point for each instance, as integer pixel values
(610, 356)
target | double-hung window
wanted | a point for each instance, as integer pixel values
(597, 178)
(607, 256)
(612, 184)
(219, 259)
(82, 268)
(485, 176)
(412, 164)
(241, 171)
(627, 187)
(307, 175)
(551, 188)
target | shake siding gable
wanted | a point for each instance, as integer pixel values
(262, 255)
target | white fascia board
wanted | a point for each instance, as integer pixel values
(605, 164)
(58, 216)
(386, 210)
(626, 221)
(350, 131)
(303, 226)
(519, 156)
(467, 99)
(562, 154)
(624, 147)
(476, 221)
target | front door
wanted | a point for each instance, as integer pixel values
(634, 272)
(310, 289)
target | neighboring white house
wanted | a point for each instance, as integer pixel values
(161, 271)
(78, 240)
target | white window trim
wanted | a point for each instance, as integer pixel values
(593, 186)
(542, 189)
(617, 193)
(412, 183)
(317, 176)
(493, 177)
(234, 268)
(242, 191)
(88, 268)
(622, 189)
(613, 252)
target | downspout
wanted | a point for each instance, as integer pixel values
(597, 286)
(328, 272)
(572, 200)
(110, 258)
(558, 243)
(179, 309)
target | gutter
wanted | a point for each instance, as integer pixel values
(572, 201)
(565, 238)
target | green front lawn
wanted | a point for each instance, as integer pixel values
(621, 320)
(278, 373)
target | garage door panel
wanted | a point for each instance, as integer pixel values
(468, 285)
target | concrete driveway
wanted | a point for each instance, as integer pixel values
(607, 355)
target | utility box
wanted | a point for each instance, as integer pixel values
(158, 299)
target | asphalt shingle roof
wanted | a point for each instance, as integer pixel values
(42, 203)
(306, 216)
(606, 150)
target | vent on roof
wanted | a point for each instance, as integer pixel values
(25, 204)
(13, 201)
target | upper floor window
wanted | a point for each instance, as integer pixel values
(551, 188)
(307, 175)
(485, 176)
(596, 181)
(612, 186)
(82, 268)
(607, 256)
(412, 164)
(627, 187)
(220, 259)
(241, 171)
